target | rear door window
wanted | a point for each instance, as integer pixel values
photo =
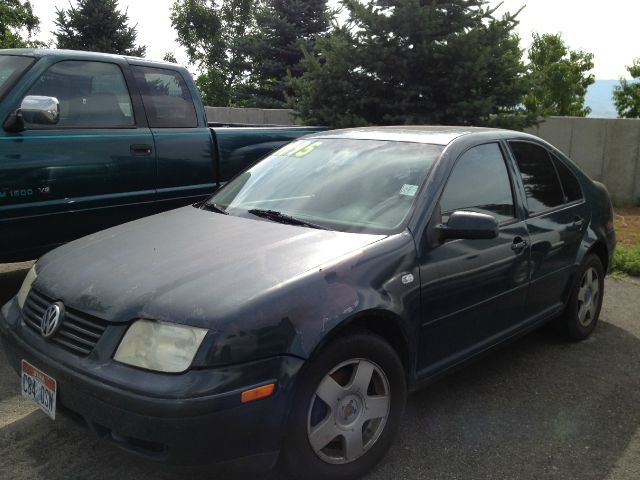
(480, 183)
(90, 94)
(166, 98)
(539, 177)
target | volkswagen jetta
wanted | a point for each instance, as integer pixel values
(285, 319)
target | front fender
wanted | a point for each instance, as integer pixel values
(297, 317)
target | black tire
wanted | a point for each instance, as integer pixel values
(298, 458)
(573, 322)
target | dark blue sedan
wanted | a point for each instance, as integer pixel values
(284, 320)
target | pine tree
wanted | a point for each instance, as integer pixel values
(97, 26)
(170, 57)
(416, 62)
(559, 78)
(284, 29)
(16, 19)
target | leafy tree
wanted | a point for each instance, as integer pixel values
(284, 29)
(17, 18)
(626, 96)
(98, 26)
(213, 32)
(559, 77)
(416, 62)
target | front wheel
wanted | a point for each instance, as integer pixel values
(346, 410)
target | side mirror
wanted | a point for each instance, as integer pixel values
(34, 109)
(40, 110)
(469, 226)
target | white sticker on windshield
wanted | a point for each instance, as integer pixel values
(409, 190)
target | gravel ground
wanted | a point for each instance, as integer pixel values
(540, 408)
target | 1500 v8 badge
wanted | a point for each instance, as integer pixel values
(24, 192)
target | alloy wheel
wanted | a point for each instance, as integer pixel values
(588, 297)
(349, 411)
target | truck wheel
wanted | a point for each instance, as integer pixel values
(346, 410)
(583, 309)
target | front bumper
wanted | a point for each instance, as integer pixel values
(205, 424)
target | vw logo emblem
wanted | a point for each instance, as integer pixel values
(51, 320)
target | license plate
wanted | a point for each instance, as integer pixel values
(40, 388)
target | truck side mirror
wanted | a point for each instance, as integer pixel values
(34, 109)
(40, 110)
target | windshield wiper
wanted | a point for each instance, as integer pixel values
(214, 207)
(284, 218)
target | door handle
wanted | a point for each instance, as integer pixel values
(141, 150)
(578, 223)
(519, 244)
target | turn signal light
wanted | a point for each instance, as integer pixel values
(257, 393)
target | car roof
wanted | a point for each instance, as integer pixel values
(77, 55)
(435, 135)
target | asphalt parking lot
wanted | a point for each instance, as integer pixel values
(540, 408)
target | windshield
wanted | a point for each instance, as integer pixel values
(11, 67)
(365, 186)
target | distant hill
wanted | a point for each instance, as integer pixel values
(599, 98)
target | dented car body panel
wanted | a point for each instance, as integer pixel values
(268, 279)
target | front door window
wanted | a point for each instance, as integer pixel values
(90, 95)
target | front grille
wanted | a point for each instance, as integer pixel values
(79, 333)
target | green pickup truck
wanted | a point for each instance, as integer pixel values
(91, 140)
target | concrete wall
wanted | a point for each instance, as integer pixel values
(251, 116)
(608, 150)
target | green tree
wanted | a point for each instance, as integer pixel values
(170, 57)
(213, 33)
(626, 96)
(16, 20)
(416, 62)
(330, 92)
(284, 28)
(97, 26)
(559, 77)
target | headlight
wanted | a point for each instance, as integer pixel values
(163, 347)
(26, 286)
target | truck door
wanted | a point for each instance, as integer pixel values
(184, 145)
(91, 170)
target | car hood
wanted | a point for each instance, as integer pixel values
(181, 265)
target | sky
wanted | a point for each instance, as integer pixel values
(606, 29)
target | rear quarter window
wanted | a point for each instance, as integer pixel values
(570, 184)
(166, 98)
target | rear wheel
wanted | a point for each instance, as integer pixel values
(346, 411)
(585, 302)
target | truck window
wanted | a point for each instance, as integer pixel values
(11, 68)
(166, 98)
(91, 94)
